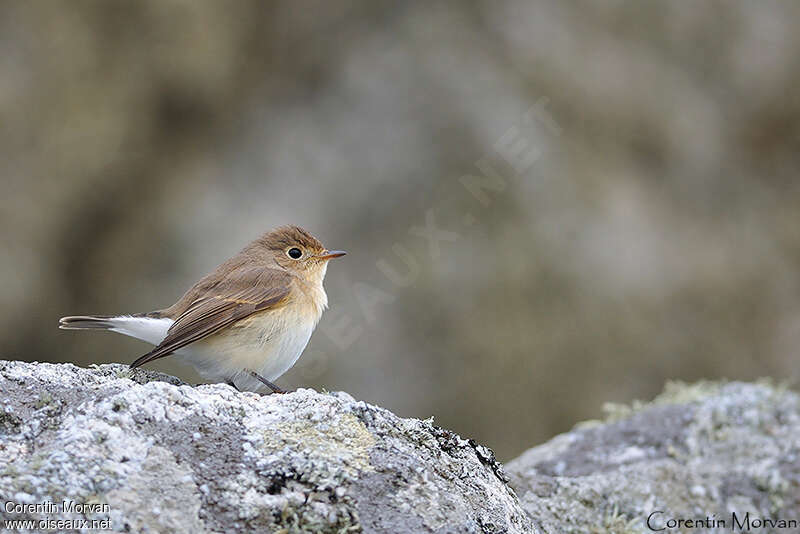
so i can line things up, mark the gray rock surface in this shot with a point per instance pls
(147, 453)
(151, 454)
(703, 452)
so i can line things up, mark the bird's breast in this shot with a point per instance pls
(272, 326)
(268, 342)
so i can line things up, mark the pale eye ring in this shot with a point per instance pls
(294, 253)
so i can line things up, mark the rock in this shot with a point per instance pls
(701, 452)
(145, 452)
(137, 451)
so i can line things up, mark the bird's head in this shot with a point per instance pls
(297, 251)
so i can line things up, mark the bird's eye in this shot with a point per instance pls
(294, 253)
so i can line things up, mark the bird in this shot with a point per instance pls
(247, 322)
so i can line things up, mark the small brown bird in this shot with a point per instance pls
(247, 322)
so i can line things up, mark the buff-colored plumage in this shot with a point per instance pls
(254, 313)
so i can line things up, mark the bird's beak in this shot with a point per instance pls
(330, 254)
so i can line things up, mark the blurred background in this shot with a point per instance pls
(547, 205)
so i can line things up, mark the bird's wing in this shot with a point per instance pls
(243, 292)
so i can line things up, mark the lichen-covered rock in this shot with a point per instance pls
(145, 453)
(700, 453)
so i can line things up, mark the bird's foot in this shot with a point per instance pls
(270, 385)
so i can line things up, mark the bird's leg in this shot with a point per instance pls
(264, 381)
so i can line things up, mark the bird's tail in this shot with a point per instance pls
(86, 322)
(150, 327)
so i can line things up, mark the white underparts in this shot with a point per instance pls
(269, 343)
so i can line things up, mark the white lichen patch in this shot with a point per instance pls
(317, 428)
(159, 497)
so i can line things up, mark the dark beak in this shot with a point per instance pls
(330, 254)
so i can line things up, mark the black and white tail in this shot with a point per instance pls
(145, 327)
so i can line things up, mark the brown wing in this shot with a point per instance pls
(240, 294)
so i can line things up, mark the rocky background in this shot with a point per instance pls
(639, 224)
(723, 455)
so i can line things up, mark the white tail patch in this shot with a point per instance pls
(147, 329)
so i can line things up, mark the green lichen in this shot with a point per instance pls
(123, 373)
(44, 400)
(344, 441)
(9, 422)
(301, 519)
(615, 522)
(675, 392)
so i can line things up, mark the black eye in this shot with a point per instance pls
(294, 253)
